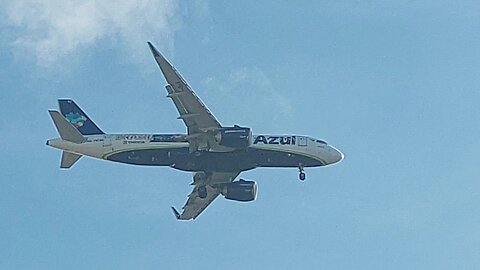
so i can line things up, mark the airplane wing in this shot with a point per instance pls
(213, 182)
(193, 112)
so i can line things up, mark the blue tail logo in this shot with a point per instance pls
(76, 119)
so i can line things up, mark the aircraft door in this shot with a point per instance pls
(302, 141)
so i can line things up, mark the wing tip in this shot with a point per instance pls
(153, 49)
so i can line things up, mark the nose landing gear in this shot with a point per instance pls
(301, 174)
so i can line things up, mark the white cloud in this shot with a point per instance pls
(201, 9)
(52, 30)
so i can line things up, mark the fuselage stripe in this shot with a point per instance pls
(106, 155)
(289, 151)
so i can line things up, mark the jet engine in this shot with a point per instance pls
(234, 137)
(242, 190)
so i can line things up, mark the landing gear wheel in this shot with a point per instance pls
(301, 174)
(202, 192)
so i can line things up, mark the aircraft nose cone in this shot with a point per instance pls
(336, 155)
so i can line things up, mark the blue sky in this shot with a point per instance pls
(393, 84)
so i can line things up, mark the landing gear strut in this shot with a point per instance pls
(301, 174)
(202, 192)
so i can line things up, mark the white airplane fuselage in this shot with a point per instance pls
(173, 150)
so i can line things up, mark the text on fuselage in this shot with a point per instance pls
(283, 140)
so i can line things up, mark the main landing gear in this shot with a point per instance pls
(301, 174)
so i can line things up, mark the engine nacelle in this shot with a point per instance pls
(234, 137)
(242, 190)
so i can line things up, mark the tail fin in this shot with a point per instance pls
(66, 130)
(68, 159)
(78, 118)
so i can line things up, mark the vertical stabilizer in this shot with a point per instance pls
(78, 118)
(68, 159)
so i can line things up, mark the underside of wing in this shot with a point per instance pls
(209, 183)
(193, 112)
(195, 205)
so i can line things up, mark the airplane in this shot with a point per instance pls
(216, 154)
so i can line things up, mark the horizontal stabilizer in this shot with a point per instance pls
(66, 130)
(68, 159)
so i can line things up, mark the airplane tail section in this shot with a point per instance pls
(66, 130)
(78, 118)
(68, 133)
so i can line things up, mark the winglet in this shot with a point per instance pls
(175, 212)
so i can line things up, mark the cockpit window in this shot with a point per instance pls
(322, 142)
